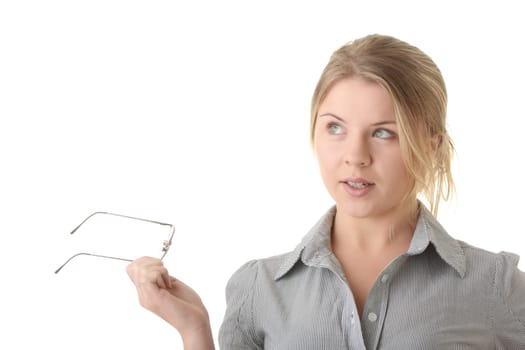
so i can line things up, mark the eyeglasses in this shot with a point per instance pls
(164, 249)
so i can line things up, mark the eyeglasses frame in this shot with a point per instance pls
(165, 245)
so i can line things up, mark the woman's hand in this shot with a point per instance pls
(173, 301)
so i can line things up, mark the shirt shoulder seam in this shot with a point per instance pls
(500, 295)
(244, 303)
(252, 307)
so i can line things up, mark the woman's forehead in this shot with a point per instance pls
(358, 99)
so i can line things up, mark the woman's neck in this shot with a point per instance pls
(375, 234)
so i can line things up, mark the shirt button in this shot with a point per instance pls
(384, 278)
(372, 317)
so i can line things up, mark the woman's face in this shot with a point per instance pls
(357, 147)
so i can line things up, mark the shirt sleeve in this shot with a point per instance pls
(509, 308)
(237, 330)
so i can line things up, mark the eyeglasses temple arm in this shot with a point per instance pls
(120, 215)
(95, 255)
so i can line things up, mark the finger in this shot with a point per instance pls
(147, 274)
(157, 274)
(137, 266)
(157, 266)
(161, 276)
(147, 261)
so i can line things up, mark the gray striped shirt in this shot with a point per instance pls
(440, 294)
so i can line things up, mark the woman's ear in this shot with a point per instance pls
(435, 142)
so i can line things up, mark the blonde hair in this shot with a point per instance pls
(418, 92)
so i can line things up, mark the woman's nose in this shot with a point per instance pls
(357, 153)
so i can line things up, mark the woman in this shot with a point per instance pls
(377, 271)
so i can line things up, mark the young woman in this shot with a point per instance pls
(377, 271)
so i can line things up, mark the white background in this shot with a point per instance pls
(197, 113)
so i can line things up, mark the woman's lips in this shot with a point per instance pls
(358, 187)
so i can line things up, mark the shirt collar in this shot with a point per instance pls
(429, 230)
(316, 245)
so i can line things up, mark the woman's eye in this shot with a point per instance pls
(334, 129)
(383, 134)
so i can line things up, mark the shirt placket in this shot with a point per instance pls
(350, 322)
(376, 306)
(352, 325)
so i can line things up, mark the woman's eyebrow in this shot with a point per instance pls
(384, 122)
(333, 116)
